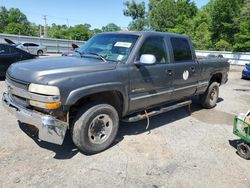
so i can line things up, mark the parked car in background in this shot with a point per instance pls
(33, 48)
(246, 72)
(10, 54)
(71, 51)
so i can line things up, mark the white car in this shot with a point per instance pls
(33, 48)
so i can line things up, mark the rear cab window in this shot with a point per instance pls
(154, 45)
(181, 49)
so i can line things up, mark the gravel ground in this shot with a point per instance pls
(179, 150)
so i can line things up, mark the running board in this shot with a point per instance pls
(139, 117)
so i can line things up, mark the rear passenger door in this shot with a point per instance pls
(33, 48)
(186, 68)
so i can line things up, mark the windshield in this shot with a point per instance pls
(108, 47)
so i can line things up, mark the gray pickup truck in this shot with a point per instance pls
(113, 76)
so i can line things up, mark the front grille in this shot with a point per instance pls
(17, 83)
(21, 101)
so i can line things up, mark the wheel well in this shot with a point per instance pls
(39, 51)
(216, 78)
(114, 98)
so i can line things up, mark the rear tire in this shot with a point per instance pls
(95, 128)
(209, 98)
(39, 52)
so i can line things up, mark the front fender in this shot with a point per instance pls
(79, 93)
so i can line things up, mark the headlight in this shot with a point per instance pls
(44, 89)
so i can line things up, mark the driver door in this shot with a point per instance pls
(151, 84)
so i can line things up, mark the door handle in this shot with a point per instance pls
(169, 72)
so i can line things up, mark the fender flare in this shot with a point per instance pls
(79, 93)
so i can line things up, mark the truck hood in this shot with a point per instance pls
(46, 69)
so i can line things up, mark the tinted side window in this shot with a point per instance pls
(4, 49)
(181, 49)
(25, 44)
(32, 44)
(156, 47)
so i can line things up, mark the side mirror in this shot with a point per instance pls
(147, 59)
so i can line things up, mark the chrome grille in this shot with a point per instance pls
(17, 83)
(19, 100)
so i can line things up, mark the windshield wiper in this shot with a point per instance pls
(97, 55)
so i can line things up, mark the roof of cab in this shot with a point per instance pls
(146, 33)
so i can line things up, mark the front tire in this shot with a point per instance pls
(210, 97)
(95, 128)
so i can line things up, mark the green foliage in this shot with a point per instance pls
(3, 18)
(96, 31)
(110, 28)
(242, 38)
(58, 31)
(138, 14)
(201, 35)
(77, 32)
(223, 16)
(162, 15)
(13, 21)
(80, 32)
(172, 16)
(223, 45)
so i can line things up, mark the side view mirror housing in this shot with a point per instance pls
(147, 59)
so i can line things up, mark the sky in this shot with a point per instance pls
(97, 13)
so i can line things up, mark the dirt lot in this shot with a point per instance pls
(180, 150)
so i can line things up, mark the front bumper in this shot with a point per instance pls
(50, 129)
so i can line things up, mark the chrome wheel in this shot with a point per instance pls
(100, 129)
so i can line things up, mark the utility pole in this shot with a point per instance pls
(45, 26)
(40, 31)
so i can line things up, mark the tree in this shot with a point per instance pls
(242, 38)
(172, 16)
(3, 18)
(13, 21)
(201, 34)
(223, 14)
(223, 45)
(59, 31)
(20, 29)
(162, 14)
(80, 32)
(138, 14)
(110, 27)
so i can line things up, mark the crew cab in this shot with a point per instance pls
(113, 76)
